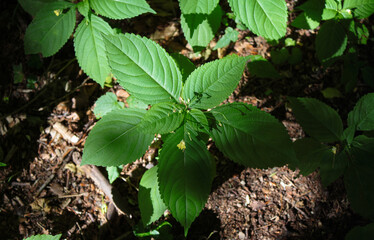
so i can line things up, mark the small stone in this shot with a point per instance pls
(241, 235)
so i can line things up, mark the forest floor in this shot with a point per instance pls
(46, 114)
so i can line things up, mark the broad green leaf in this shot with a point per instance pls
(349, 134)
(310, 153)
(136, 103)
(213, 82)
(162, 118)
(116, 139)
(358, 177)
(330, 10)
(33, 6)
(143, 68)
(296, 56)
(251, 137)
(331, 93)
(121, 9)
(44, 237)
(184, 64)
(197, 6)
(113, 173)
(84, 8)
(185, 174)
(363, 233)
(90, 49)
(362, 115)
(231, 35)
(198, 121)
(106, 104)
(350, 71)
(317, 119)
(332, 167)
(331, 41)
(150, 202)
(262, 68)
(50, 29)
(362, 8)
(267, 18)
(199, 29)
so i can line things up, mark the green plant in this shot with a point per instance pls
(185, 112)
(350, 153)
(339, 35)
(54, 22)
(44, 237)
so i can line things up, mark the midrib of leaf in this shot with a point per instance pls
(115, 139)
(262, 8)
(94, 39)
(144, 69)
(50, 29)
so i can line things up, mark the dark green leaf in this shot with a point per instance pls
(363, 233)
(33, 6)
(331, 41)
(261, 68)
(362, 115)
(150, 203)
(367, 74)
(197, 6)
(280, 56)
(296, 56)
(50, 29)
(251, 137)
(332, 167)
(84, 8)
(310, 154)
(184, 64)
(317, 119)
(116, 139)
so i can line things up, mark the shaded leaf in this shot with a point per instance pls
(50, 29)
(143, 68)
(317, 119)
(116, 139)
(197, 6)
(251, 137)
(262, 68)
(363, 233)
(362, 115)
(33, 6)
(150, 203)
(231, 35)
(332, 167)
(184, 64)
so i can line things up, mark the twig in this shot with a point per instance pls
(49, 179)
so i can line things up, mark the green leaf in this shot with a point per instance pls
(363, 8)
(280, 56)
(332, 167)
(116, 139)
(310, 153)
(363, 233)
(162, 118)
(296, 56)
(185, 174)
(231, 35)
(136, 103)
(262, 68)
(304, 21)
(331, 41)
(330, 10)
(149, 198)
(362, 115)
(251, 137)
(143, 68)
(84, 8)
(349, 134)
(317, 119)
(106, 104)
(121, 9)
(358, 177)
(113, 173)
(198, 121)
(267, 18)
(90, 49)
(199, 29)
(197, 6)
(331, 93)
(50, 29)
(213, 82)
(367, 74)
(33, 6)
(350, 71)
(44, 237)
(184, 64)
